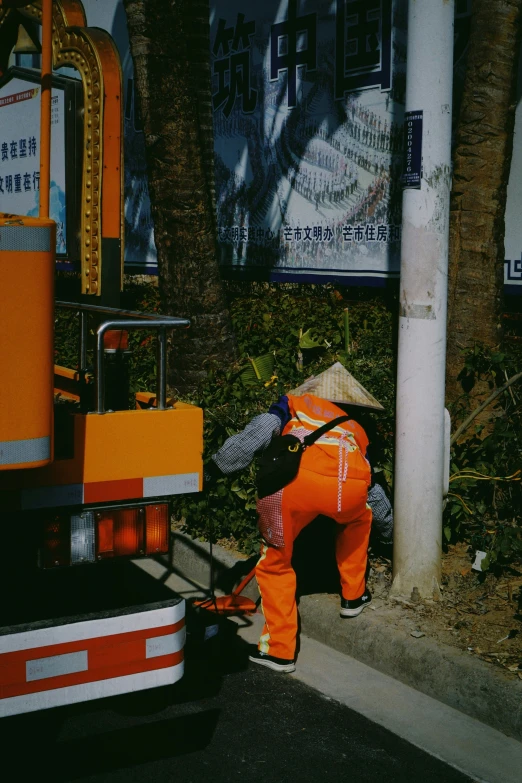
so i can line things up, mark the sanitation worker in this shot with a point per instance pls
(334, 480)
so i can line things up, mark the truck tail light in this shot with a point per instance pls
(105, 526)
(120, 532)
(156, 529)
(105, 533)
(56, 543)
(82, 538)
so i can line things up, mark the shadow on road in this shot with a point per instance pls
(136, 745)
(149, 732)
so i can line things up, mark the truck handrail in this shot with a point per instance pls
(127, 319)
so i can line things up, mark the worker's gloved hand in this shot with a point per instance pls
(211, 473)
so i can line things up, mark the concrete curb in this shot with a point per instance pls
(463, 682)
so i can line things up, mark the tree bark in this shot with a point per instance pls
(170, 46)
(482, 160)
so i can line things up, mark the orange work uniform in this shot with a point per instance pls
(333, 481)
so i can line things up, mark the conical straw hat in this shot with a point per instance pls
(337, 385)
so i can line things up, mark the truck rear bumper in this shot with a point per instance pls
(52, 663)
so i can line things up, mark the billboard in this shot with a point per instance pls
(20, 154)
(308, 104)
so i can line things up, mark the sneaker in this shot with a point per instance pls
(277, 664)
(351, 608)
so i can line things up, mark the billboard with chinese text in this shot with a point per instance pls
(20, 154)
(308, 101)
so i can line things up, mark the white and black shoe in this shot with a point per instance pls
(351, 608)
(271, 662)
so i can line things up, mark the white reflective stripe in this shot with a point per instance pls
(56, 665)
(326, 441)
(45, 497)
(92, 629)
(302, 416)
(165, 645)
(72, 694)
(16, 452)
(73, 494)
(170, 485)
(264, 643)
(317, 423)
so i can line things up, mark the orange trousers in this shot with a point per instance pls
(308, 496)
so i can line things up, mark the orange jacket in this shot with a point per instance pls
(309, 413)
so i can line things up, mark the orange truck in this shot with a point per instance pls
(85, 483)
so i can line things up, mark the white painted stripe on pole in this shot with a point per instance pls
(177, 484)
(92, 629)
(165, 645)
(16, 452)
(72, 694)
(45, 497)
(56, 665)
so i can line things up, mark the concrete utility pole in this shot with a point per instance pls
(423, 301)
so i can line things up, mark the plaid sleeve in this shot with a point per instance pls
(282, 410)
(239, 450)
(382, 512)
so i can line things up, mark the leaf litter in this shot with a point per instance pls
(480, 614)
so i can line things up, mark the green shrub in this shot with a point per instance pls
(275, 319)
(485, 502)
(303, 328)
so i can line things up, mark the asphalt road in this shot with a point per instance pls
(226, 720)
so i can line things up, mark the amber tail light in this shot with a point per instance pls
(156, 529)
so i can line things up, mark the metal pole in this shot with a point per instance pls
(161, 392)
(100, 375)
(419, 451)
(82, 361)
(83, 342)
(162, 323)
(45, 107)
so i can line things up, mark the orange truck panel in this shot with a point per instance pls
(27, 260)
(132, 444)
(121, 455)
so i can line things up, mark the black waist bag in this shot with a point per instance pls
(278, 464)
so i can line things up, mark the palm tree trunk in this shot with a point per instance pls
(170, 45)
(482, 160)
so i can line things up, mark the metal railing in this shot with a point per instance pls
(127, 319)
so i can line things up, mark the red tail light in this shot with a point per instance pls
(132, 531)
(157, 529)
(56, 543)
(105, 542)
(128, 531)
(120, 532)
(116, 340)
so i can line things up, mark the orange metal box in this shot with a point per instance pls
(125, 455)
(27, 263)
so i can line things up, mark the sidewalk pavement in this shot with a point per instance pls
(461, 681)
